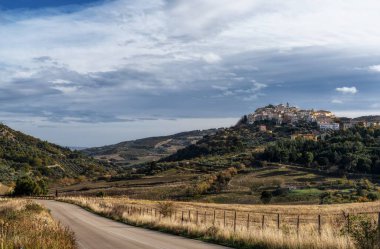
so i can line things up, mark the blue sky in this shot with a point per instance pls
(38, 4)
(125, 69)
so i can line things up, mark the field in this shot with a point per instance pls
(25, 224)
(4, 189)
(297, 185)
(241, 226)
(161, 186)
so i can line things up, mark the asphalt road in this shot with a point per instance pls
(95, 232)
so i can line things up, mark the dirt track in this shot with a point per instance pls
(95, 232)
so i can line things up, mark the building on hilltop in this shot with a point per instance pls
(289, 114)
(329, 126)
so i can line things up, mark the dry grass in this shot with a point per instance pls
(245, 233)
(4, 189)
(25, 224)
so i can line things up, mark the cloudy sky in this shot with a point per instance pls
(88, 73)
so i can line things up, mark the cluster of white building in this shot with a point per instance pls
(289, 114)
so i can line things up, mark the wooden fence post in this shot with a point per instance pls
(319, 225)
(197, 217)
(182, 218)
(348, 223)
(235, 222)
(278, 221)
(263, 222)
(213, 222)
(205, 217)
(248, 221)
(224, 218)
(189, 216)
(298, 226)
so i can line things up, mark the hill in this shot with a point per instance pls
(279, 154)
(375, 118)
(147, 149)
(242, 138)
(23, 154)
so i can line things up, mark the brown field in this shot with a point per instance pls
(25, 224)
(158, 187)
(4, 189)
(271, 226)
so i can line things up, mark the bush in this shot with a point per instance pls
(26, 186)
(165, 208)
(100, 194)
(266, 197)
(280, 192)
(364, 232)
(372, 196)
(33, 207)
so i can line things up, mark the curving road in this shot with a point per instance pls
(95, 232)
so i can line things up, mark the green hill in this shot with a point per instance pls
(23, 154)
(239, 139)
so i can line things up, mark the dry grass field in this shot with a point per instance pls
(4, 189)
(240, 226)
(25, 224)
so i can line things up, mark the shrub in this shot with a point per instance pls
(364, 231)
(280, 192)
(33, 207)
(26, 186)
(372, 196)
(256, 185)
(166, 208)
(100, 194)
(266, 197)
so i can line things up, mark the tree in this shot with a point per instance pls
(309, 158)
(26, 186)
(266, 196)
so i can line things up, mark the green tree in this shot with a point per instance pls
(309, 157)
(26, 186)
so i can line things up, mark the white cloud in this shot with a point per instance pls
(60, 82)
(347, 90)
(211, 58)
(336, 101)
(66, 89)
(374, 68)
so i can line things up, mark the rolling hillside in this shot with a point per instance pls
(23, 154)
(147, 149)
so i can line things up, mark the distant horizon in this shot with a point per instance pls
(117, 130)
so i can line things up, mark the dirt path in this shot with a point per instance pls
(95, 232)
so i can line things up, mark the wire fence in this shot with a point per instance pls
(244, 220)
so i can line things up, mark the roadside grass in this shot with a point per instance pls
(27, 225)
(195, 225)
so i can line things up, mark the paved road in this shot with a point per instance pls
(95, 232)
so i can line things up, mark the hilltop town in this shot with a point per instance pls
(326, 120)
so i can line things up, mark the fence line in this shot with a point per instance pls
(239, 220)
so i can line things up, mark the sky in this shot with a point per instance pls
(89, 73)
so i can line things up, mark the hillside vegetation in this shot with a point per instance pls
(242, 164)
(353, 150)
(21, 154)
(139, 151)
